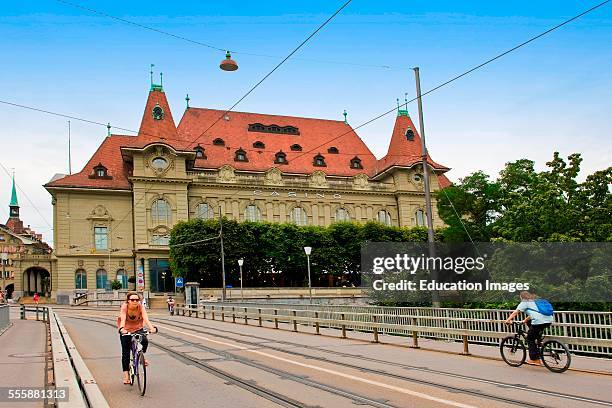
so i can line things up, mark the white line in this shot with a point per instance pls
(328, 371)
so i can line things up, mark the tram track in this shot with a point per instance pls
(518, 387)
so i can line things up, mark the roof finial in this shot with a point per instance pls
(187, 98)
(14, 202)
(108, 129)
(344, 113)
(402, 110)
(406, 100)
(397, 99)
(151, 72)
(161, 79)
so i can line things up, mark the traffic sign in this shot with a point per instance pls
(179, 282)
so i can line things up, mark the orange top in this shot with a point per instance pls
(132, 322)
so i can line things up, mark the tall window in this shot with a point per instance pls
(252, 213)
(383, 217)
(160, 239)
(123, 278)
(298, 216)
(160, 212)
(101, 237)
(204, 211)
(101, 279)
(342, 215)
(80, 279)
(420, 218)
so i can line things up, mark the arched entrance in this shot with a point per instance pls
(36, 280)
(9, 290)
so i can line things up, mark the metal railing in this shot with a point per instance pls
(4, 317)
(42, 312)
(584, 332)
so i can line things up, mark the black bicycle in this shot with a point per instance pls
(553, 354)
(138, 369)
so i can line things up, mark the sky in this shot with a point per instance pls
(554, 94)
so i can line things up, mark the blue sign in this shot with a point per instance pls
(179, 282)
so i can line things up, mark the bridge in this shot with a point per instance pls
(248, 354)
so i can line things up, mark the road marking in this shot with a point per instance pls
(328, 371)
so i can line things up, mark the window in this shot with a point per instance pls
(298, 216)
(219, 142)
(100, 172)
(123, 278)
(409, 135)
(199, 151)
(101, 279)
(342, 215)
(420, 218)
(204, 211)
(80, 279)
(383, 217)
(296, 147)
(252, 213)
(158, 112)
(258, 127)
(160, 239)
(259, 145)
(159, 163)
(356, 163)
(101, 237)
(160, 212)
(241, 155)
(417, 178)
(280, 158)
(333, 150)
(319, 161)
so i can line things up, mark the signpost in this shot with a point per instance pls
(140, 279)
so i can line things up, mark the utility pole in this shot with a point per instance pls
(69, 152)
(222, 254)
(428, 211)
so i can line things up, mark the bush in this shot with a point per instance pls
(116, 285)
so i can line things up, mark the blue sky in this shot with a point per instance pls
(554, 94)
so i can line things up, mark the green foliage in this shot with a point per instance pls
(274, 253)
(116, 285)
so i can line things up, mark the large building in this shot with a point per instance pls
(113, 218)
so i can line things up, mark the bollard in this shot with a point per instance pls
(317, 328)
(294, 321)
(343, 327)
(466, 350)
(36, 312)
(275, 319)
(415, 334)
(233, 314)
(22, 312)
(212, 312)
(204, 312)
(189, 310)
(374, 319)
(222, 313)
(259, 311)
(246, 317)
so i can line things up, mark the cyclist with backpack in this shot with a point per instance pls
(539, 317)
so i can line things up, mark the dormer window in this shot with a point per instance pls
(409, 135)
(296, 147)
(258, 127)
(280, 158)
(199, 151)
(241, 156)
(356, 163)
(259, 145)
(219, 142)
(158, 112)
(333, 150)
(100, 172)
(319, 161)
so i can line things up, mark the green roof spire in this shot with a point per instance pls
(14, 202)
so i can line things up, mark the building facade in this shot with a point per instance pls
(112, 220)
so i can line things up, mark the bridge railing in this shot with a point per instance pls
(585, 332)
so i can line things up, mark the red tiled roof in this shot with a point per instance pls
(443, 181)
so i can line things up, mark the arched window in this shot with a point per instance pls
(333, 150)
(219, 142)
(342, 215)
(204, 211)
(356, 163)
(280, 158)
(383, 217)
(80, 279)
(409, 135)
(160, 212)
(101, 279)
(298, 216)
(420, 218)
(123, 278)
(296, 147)
(259, 145)
(319, 161)
(241, 156)
(199, 151)
(252, 213)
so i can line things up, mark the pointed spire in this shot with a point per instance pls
(187, 99)
(345, 114)
(14, 202)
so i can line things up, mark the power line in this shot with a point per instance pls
(203, 44)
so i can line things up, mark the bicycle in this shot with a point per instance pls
(554, 354)
(138, 369)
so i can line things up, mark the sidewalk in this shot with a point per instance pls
(22, 356)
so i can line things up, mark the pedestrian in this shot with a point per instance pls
(144, 302)
(36, 298)
(2, 299)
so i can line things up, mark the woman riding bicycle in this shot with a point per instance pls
(537, 322)
(132, 318)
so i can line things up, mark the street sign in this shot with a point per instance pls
(140, 278)
(179, 282)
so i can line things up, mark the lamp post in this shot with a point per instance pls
(240, 263)
(308, 250)
(222, 253)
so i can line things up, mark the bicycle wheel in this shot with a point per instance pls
(132, 372)
(555, 356)
(513, 351)
(141, 374)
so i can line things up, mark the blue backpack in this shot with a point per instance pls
(544, 307)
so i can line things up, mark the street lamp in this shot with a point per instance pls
(240, 262)
(308, 250)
